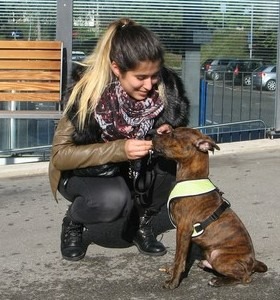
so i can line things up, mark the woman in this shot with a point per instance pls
(101, 156)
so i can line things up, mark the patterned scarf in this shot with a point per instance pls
(120, 116)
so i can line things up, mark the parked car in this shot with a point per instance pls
(78, 55)
(217, 68)
(240, 71)
(205, 66)
(265, 78)
(15, 34)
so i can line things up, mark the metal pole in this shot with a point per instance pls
(251, 33)
(277, 93)
(64, 26)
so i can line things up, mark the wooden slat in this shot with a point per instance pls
(30, 44)
(40, 97)
(30, 70)
(29, 54)
(29, 75)
(30, 65)
(29, 86)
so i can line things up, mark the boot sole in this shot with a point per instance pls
(150, 253)
(76, 258)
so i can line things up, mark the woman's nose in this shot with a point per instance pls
(148, 84)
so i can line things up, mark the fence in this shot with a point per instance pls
(228, 113)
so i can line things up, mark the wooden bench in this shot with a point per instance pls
(31, 71)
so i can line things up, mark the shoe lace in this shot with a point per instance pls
(74, 229)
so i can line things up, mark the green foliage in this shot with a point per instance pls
(226, 43)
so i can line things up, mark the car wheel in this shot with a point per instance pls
(271, 85)
(215, 76)
(247, 80)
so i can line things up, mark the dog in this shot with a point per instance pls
(203, 216)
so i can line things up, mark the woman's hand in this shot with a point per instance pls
(135, 149)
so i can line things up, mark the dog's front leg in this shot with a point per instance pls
(183, 239)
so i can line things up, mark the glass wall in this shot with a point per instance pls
(194, 33)
(225, 28)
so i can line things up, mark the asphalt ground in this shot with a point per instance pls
(31, 266)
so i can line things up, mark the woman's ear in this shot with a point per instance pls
(115, 69)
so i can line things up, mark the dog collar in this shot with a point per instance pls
(189, 188)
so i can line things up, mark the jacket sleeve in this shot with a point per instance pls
(68, 156)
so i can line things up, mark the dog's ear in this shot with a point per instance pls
(205, 145)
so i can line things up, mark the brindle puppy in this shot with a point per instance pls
(226, 244)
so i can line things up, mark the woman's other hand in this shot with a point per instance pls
(135, 149)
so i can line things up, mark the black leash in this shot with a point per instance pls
(142, 174)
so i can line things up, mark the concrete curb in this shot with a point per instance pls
(24, 170)
(248, 146)
(41, 168)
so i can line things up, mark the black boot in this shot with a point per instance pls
(144, 238)
(72, 247)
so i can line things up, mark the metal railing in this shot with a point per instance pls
(236, 131)
(228, 113)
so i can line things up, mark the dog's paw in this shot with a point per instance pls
(171, 284)
(221, 281)
(215, 282)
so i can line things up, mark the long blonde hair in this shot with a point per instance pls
(125, 43)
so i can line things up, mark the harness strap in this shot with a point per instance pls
(199, 228)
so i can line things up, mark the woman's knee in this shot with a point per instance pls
(116, 203)
(105, 202)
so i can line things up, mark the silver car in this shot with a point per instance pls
(265, 78)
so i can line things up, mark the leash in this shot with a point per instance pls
(142, 174)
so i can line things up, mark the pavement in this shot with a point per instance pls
(31, 266)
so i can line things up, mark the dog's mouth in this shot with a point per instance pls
(157, 150)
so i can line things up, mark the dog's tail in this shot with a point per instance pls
(259, 267)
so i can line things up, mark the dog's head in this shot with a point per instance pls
(183, 142)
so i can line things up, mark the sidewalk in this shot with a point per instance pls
(41, 168)
(32, 268)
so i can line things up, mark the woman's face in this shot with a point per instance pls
(138, 83)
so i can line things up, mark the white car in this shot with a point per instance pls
(78, 55)
(265, 78)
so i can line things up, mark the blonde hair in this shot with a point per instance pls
(124, 42)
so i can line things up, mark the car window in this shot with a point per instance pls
(260, 69)
(273, 69)
(223, 62)
(215, 63)
(256, 65)
(231, 65)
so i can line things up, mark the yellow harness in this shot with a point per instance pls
(193, 188)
